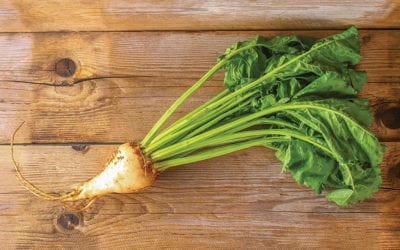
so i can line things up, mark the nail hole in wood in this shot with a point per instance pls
(366, 39)
(80, 147)
(391, 117)
(395, 171)
(68, 221)
(65, 67)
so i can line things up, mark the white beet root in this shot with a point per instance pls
(126, 172)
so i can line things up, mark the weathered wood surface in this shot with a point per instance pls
(122, 77)
(122, 83)
(193, 206)
(122, 15)
(174, 55)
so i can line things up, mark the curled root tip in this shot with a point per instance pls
(27, 184)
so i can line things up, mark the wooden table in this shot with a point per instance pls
(86, 76)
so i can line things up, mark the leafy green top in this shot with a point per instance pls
(297, 96)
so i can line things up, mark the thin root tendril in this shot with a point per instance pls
(31, 187)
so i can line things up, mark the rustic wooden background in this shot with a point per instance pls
(132, 60)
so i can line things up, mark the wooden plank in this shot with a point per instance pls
(101, 87)
(134, 78)
(258, 177)
(123, 109)
(195, 204)
(32, 57)
(121, 15)
(217, 231)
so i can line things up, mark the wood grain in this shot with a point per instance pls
(122, 109)
(123, 77)
(185, 55)
(195, 204)
(129, 60)
(122, 15)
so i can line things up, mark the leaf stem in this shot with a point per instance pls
(149, 137)
(175, 126)
(179, 146)
(197, 122)
(259, 80)
(163, 165)
(170, 152)
(164, 118)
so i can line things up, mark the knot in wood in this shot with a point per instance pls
(68, 221)
(391, 118)
(65, 67)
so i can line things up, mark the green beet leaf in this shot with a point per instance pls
(296, 96)
(345, 155)
(318, 78)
